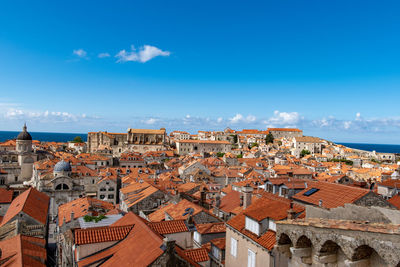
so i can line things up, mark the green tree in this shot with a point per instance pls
(234, 138)
(304, 152)
(77, 139)
(220, 154)
(269, 138)
(239, 156)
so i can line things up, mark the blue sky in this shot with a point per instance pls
(329, 67)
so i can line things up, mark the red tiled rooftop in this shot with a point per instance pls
(210, 228)
(169, 227)
(6, 195)
(197, 254)
(332, 195)
(101, 234)
(32, 202)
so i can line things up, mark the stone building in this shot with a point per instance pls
(17, 163)
(349, 236)
(135, 140)
(202, 146)
(312, 144)
(287, 133)
(61, 186)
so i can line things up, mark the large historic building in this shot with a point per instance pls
(135, 140)
(17, 162)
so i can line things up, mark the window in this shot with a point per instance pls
(215, 252)
(310, 192)
(111, 189)
(197, 237)
(102, 189)
(110, 196)
(251, 258)
(102, 196)
(233, 247)
(252, 226)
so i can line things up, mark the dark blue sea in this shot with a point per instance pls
(374, 147)
(49, 137)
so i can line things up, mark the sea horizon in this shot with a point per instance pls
(65, 137)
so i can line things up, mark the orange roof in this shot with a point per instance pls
(219, 242)
(395, 201)
(101, 234)
(332, 195)
(210, 228)
(176, 211)
(80, 207)
(169, 227)
(31, 202)
(6, 195)
(22, 250)
(197, 254)
(136, 192)
(141, 247)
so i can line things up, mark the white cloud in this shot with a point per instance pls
(150, 121)
(103, 55)
(239, 118)
(46, 116)
(80, 53)
(144, 54)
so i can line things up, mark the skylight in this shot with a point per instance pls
(310, 192)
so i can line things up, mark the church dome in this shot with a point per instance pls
(62, 166)
(24, 135)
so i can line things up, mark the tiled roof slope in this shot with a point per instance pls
(332, 195)
(80, 207)
(141, 247)
(23, 250)
(175, 211)
(6, 195)
(210, 228)
(32, 202)
(169, 227)
(197, 254)
(101, 234)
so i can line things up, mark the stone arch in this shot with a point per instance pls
(303, 242)
(364, 252)
(329, 246)
(62, 186)
(284, 239)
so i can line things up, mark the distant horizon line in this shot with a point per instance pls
(336, 142)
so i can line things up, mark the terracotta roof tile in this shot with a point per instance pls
(209, 228)
(6, 195)
(395, 201)
(219, 242)
(81, 207)
(169, 227)
(141, 247)
(101, 234)
(32, 202)
(332, 195)
(23, 250)
(197, 254)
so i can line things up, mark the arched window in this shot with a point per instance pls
(62, 187)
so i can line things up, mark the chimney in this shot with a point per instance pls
(320, 203)
(218, 201)
(203, 196)
(247, 193)
(241, 200)
(291, 212)
(72, 216)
